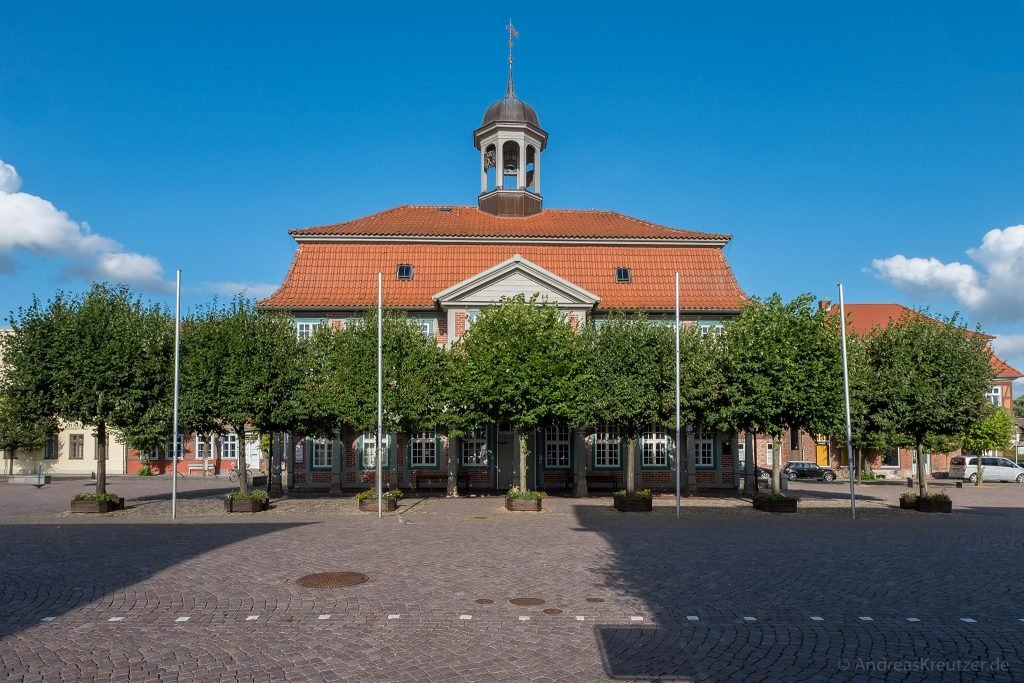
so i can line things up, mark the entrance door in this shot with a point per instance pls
(506, 459)
(822, 455)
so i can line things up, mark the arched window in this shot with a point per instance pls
(510, 165)
(531, 163)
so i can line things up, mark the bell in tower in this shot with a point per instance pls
(510, 141)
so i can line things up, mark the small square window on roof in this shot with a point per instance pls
(623, 275)
(404, 271)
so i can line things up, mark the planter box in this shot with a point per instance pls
(97, 506)
(766, 505)
(390, 505)
(935, 506)
(520, 505)
(623, 505)
(252, 505)
(906, 504)
(29, 479)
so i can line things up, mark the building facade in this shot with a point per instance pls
(443, 264)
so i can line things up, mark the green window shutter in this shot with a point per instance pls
(439, 459)
(392, 447)
(360, 463)
(541, 442)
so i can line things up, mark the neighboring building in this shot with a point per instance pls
(1018, 439)
(897, 462)
(199, 454)
(443, 264)
(71, 451)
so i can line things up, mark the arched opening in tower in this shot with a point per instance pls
(510, 165)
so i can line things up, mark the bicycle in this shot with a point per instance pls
(236, 475)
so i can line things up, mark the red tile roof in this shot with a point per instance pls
(863, 318)
(469, 221)
(326, 275)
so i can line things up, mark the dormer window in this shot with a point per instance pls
(623, 275)
(404, 271)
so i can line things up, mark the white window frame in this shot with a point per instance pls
(229, 446)
(203, 451)
(306, 328)
(703, 450)
(370, 450)
(769, 454)
(654, 452)
(426, 326)
(423, 449)
(557, 448)
(995, 395)
(607, 444)
(322, 457)
(473, 449)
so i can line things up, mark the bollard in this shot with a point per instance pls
(910, 482)
(959, 484)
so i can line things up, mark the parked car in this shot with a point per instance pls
(993, 469)
(803, 469)
(763, 473)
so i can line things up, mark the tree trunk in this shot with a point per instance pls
(860, 463)
(753, 450)
(922, 485)
(777, 465)
(523, 453)
(981, 476)
(631, 465)
(243, 468)
(10, 465)
(270, 465)
(453, 467)
(101, 458)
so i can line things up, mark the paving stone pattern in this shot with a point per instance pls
(722, 594)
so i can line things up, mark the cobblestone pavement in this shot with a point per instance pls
(723, 593)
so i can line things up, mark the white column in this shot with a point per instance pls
(521, 170)
(536, 169)
(483, 168)
(499, 164)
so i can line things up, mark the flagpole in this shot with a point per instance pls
(846, 394)
(177, 363)
(380, 392)
(679, 430)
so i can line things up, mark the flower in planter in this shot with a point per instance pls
(255, 494)
(641, 495)
(778, 498)
(910, 496)
(516, 493)
(935, 498)
(96, 497)
(393, 493)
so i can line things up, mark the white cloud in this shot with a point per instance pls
(992, 291)
(256, 290)
(33, 224)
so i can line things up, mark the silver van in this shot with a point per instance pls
(993, 469)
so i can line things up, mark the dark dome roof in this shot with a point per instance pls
(510, 109)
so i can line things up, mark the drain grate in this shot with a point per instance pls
(524, 602)
(333, 580)
(595, 599)
(552, 610)
(484, 601)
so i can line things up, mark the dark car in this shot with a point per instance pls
(762, 473)
(801, 469)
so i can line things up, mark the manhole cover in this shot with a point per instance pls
(552, 610)
(523, 602)
(333, 579)
(595, 599)
(484, 601)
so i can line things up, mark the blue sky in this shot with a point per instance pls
(877, 144)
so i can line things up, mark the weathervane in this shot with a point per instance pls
(512, 35)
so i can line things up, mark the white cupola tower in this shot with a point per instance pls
(510, 141)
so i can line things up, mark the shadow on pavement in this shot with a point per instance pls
(55, 568)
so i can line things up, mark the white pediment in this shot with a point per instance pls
(511, 278)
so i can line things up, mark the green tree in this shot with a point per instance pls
(1018, 406)
(993, 432)
(932, 377)
(20, 432)
(239, 367)
(105, 358)
(630, 378)
(517, 363)
(783, 370)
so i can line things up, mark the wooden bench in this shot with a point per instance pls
(419, 478)
(611, 477)
(206, 468)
